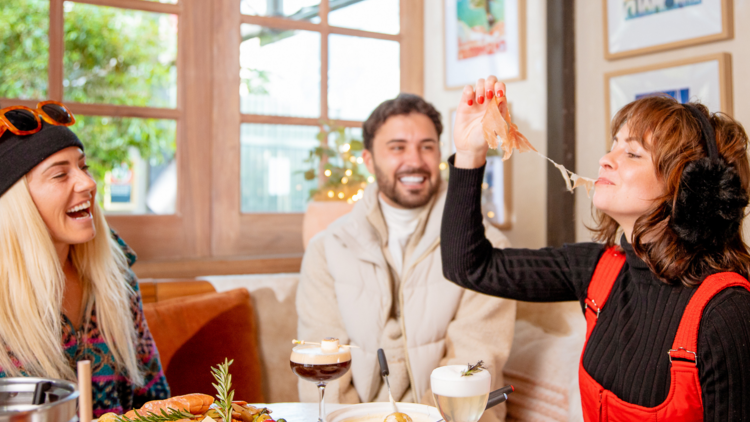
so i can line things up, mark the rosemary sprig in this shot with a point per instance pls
(471, 370)
(164, 416)
(223, 385)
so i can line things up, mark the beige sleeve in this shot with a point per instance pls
(482, 330)
(318, 318)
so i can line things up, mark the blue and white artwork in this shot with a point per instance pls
(682, 95)
(698, 81)
(641, 25)
(638, 8)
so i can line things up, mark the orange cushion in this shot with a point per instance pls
(194, 333)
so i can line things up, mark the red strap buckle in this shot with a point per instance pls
(591, 304)
(683, 353)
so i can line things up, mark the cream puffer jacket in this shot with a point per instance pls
(345, 292)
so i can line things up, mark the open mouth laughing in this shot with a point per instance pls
(80, 212)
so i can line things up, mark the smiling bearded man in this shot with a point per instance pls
(374, 277)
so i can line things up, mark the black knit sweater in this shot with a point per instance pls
(627, 352)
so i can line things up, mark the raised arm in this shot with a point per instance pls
(545, 275)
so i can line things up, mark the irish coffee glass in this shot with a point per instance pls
(320, 364)
(460, 398)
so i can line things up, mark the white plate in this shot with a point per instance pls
(376, 412)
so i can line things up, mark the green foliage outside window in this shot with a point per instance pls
(23, 48)
(112, 56)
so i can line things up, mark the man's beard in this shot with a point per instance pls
(388, 188)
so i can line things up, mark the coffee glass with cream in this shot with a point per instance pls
(320, 364)
(459, 397)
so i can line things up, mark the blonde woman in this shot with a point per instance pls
(66, 290)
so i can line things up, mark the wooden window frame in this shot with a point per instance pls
(208, 234)
(185, 233)
(274, 235)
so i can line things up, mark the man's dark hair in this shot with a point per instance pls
(403, 104)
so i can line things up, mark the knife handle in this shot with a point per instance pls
(499, 396)
(383, 363)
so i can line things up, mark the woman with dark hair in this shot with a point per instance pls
(668, 309)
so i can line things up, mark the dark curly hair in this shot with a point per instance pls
(403, 104)
(673, 136)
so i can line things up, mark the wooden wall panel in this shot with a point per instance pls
(225, 167)
(151, 236)
(412, 46)
(195, 128)
(203, 267)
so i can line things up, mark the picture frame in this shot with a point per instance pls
(707, 79)
(635, 27)
(496, 187)
(122, 192)
(475, 47)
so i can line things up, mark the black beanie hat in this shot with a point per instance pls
(20, 154)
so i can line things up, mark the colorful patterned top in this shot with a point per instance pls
(112, 390)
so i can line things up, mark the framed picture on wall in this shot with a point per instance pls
(496, 187)
(633, 27)
(484, 37)
(707, 80)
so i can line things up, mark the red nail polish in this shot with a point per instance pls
(500, 93)
(489, 95)
(471, 102)
(481, 100)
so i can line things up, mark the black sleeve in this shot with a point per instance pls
(724, 356)
(469, 260)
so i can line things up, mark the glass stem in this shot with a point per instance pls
(322, 406)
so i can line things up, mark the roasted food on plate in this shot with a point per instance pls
(191, 407)
(198, 407)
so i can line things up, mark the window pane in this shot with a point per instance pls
(291, 9)
(363, 72)
(493, 190)
(132, 161)
(367, 15)
(119, 56)
(24, 48)
(347, 175)
(280, 72)
(272, 166)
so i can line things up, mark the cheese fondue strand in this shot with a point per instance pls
(498, 126)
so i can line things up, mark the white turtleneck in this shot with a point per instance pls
(401, 225)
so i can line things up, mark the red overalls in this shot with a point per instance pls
(684, 402)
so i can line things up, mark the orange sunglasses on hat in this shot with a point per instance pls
(22, 120)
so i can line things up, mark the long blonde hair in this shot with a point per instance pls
(32, 284)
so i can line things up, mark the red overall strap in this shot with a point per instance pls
(604, 278)
(685, 343)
